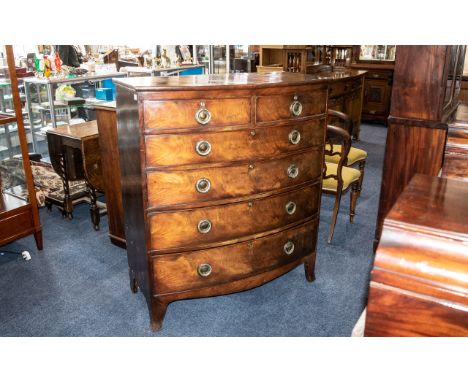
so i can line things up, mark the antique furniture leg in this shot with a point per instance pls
(133, 281)
(353, 198)
(362, 165)
(38, 239)
(67, 202)
(158, 312)
(93, 208)
(309, 268)
(336, 209)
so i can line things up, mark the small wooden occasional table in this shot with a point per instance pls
(75, 155)
(419, 282)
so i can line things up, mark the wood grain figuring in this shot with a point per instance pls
(236, 221)
(419, 281)
(181, 114)
(169, 188)
(178, 272)
(403, 314)
(456, 150)
(228, 146)
(240, 225)
(409, 150)
(108, 145)
(272, 108)
(415, 89)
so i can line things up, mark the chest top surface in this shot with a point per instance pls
(220, 81)
(433, 204)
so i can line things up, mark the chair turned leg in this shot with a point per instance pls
(362, 165)
(309, 268)
(336, 209)
(93, 208)
(158, 312)
(353, 199)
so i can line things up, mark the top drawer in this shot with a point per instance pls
(180, 114)
(277, 107)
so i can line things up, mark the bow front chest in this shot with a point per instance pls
(221, 181)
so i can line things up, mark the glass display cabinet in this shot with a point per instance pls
(19, 215)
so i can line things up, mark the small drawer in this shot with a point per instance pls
(277, 107)
(198, 185)
(227, 146)
(206, 268)
(179, 114)
(202, 226)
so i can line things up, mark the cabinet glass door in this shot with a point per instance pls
(13, 187)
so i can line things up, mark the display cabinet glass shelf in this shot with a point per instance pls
(19, 215)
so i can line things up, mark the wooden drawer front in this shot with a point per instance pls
(16, 225)
(181, 113)
(180, 272)
(271, 108)
(227, 146)
(179, 186)
(180, 229)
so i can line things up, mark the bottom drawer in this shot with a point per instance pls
(206, 268)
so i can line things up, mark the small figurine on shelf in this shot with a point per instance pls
(166, 61)
(58, 63)
(47, 66)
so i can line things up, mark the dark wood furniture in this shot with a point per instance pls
(108, 143)
(424, 98)
(377, 86)
(75, 154)
(419, 281)
(18, 218)
(345, 94)
(221, 179)
(456, 149)
(464, 89)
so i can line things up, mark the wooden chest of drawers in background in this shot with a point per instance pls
(221, 181)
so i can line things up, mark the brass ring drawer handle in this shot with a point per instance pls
(204, 270)
(294, 137)
(203, 115)
(288, 248)
(296, 107)
(204, 226)
(203, 148)
(293, 171)
(290, 208)
(203, 185)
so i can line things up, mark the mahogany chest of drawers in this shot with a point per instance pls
(221, 181)
(419, 281)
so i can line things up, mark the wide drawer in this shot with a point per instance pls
(277, 107)
(226, 146)
(205, 268)
(178, 114)
(172, 187)
(202, 226)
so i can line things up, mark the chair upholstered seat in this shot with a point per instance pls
(354, 155)
(348, 174)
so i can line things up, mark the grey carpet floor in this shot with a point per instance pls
(78, 285)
